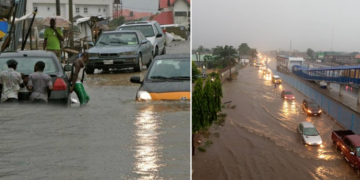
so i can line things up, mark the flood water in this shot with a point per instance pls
(259, 139)
(113, 137)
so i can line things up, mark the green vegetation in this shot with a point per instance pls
(201, 149)
(225, 56)
(194, 71)
(310, 53)
(206, 103)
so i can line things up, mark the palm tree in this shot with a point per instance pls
(225, 56)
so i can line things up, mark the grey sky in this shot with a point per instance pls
(141, 5)
(271, 24)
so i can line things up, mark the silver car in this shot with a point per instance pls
(152, 31)
(309, 134)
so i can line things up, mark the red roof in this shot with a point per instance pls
(357, 56)
(168, 3)
(165, 18)
(135, 15)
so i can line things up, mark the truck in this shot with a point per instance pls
(349, 145)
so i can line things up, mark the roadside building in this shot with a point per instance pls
(83, 8)
(174, 12)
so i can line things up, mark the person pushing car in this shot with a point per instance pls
(78, 78)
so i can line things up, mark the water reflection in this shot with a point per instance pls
(147, 148)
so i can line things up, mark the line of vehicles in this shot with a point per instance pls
(346, 141)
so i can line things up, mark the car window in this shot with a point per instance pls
(311, 131)
(174, 68)
(312, 105)
(156, 30)
(358, 151)
(288, 93)
(26, 64)
(147, 30)
(158, 27)
(141, 37)
(301, 128)
(117, 39)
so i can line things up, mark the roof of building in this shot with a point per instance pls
(165, 18)
(135, 15)
(168, 3)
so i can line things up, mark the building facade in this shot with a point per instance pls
(174, 12)
(84, 8)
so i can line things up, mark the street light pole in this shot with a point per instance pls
(57, 7)
(71, 35)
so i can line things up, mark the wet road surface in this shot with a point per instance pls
(259, 139)
(113, 137)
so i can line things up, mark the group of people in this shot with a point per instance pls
(38, 82)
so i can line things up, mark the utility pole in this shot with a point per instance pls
(57, 7)
(71, 35)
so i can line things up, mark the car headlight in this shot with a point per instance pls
(320, 142)
(308, 111)
(143, 95)
(128, 53)
(93, 55)
(320, 111)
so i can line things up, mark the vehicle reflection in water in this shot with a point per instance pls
(147, 148)
(288, 108)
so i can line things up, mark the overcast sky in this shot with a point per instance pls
(272, 24)
(141, 5)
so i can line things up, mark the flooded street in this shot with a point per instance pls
(113, 137)
(259, 139)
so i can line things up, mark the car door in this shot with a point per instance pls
(161, 40)
(145, 48)
(346, 149)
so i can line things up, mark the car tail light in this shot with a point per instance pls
(59, 85)
(164, 31)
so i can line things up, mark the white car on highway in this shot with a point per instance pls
(309, 134)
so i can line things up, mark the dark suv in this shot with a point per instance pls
(310, 107)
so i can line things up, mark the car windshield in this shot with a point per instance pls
(147, 30)
(277, 78)
(177, 69)
(117, 39)
(312, 105)
(26, 64)
(311, 131)
(288, 93)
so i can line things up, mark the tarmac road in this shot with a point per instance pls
(113, 137)
(259, 139)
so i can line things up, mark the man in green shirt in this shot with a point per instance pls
(52, 39)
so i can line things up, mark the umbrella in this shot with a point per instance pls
(3, 28)
(59, 21)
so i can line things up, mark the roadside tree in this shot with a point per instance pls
(225, 56)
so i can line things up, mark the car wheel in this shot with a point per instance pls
(148, 64)
(164, 50)
(89, 70)
(106, 69)
(335, 145)
(138, 68)
(156, 51)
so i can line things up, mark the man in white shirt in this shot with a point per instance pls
(11, 81)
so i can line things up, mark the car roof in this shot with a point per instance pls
(307, 124)
(37, 53)
(138, 23)
(124, 31)
(309, 100)
(173, 56)
(276, 76)
(355, 139)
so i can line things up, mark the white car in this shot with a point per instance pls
(309, 134)
(152, 31)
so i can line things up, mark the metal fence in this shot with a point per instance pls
(341, 114)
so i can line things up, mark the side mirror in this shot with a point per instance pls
(144, 41)
(352, 153)
(67, 67)
(159, 35)
(135, 79)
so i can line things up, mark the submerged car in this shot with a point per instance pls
(119, 49)
(288, 95)
(309, 134)
(168, 78)
(311, 108)
(26, 60)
